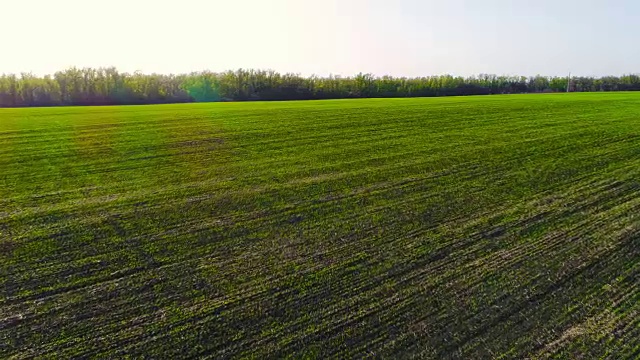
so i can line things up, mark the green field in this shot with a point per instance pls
(478, 227)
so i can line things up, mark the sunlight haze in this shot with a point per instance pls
(401, 38)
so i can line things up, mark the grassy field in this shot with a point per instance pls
(480, 227)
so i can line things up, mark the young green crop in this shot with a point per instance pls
(502, 226)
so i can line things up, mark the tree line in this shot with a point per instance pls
(108, 86)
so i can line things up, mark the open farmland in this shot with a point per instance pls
(503, 226)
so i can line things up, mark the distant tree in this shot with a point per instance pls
(107, 86)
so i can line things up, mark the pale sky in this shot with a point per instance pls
(383, 37)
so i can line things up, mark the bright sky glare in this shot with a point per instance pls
(394, 37)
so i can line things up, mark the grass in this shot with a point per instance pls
(479, 227)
